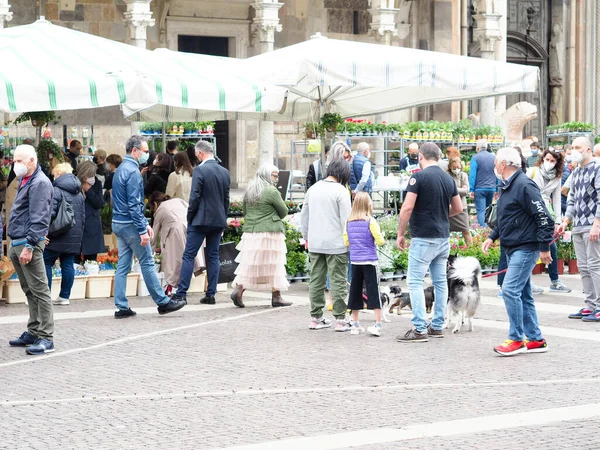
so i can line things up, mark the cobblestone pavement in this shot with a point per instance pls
(257, 378)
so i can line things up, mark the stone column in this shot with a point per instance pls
(487, 33)
(500, 48)
(5, 14)
(597, 66)
(138, 17)
(264, 26)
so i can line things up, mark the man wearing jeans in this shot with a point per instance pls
(525, 228)
(482, 180)
(431, 199)
(583, 211)
(133, 232)
(207, 218)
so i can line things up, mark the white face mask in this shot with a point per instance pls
(20, 170)
(576, 156)
(90, 181)
(155, 162)
(548, 166)
(498, 175)
(456, 171)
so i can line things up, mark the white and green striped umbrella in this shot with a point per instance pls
(204, 87)
(355, 78)
(48, 67)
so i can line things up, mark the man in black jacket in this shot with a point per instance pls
(73, 153)
(315, 172)
(525, 229)
(207, 218)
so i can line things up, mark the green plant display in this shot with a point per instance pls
(47, 150)
(296, 262)
(38, 118)
(331, 121)
(106, 219)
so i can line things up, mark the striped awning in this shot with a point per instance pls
(48, 67)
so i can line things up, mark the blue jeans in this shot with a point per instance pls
(66, 267)
(128, 242)
(483, 199)
(424, 254)
(552, 268)
(516, 292)
(195, 238)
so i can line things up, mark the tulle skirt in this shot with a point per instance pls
(261, 262)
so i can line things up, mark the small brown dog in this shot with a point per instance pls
(402, 300)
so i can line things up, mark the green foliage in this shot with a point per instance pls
(331, 121)
(106, 219)
(234, 231)
(297, 262)
(46, 149)
(389, 227)
(41, 118)
(292, 238)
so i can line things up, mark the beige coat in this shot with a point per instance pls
(11, 195)
(170, 227)
(179, 186)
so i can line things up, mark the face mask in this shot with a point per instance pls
(548, 166)
(534, 152)
(413, 157)
(95, 160)
(498, 175)
(456, 171)
(155, 162)
(576, 156)
(568, 158)
(20, 169)
(90, 181)
(144, 158)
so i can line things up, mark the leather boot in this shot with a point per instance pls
(236, 296)
(277, 301)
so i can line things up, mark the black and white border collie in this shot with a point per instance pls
(463, 291)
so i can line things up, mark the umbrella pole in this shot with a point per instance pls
(540, 115)
(164, 138)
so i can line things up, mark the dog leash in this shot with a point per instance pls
(487, 275)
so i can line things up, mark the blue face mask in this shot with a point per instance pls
(144, 159)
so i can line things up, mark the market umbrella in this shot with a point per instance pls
(48, 67)
(202, 87)
(355, 78)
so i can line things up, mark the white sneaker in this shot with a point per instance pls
(318, 323)
(374, 331)
(354, 331)
(342, 326)
(535, 290)
(61, 301)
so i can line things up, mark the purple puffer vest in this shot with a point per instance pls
(362, 242)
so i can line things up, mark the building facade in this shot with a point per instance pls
(558, 36)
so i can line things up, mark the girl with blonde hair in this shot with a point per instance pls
(362, 234)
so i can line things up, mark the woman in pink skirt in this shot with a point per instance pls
(262, 249)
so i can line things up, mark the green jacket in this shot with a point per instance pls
(266, 216)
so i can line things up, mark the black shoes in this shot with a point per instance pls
(124, 313)
(208, 300)
(175, 304)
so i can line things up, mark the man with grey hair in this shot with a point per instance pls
(133, 231)
(583, 212)
(596, 152)
(207, 218)
(482, 180)
(431, 199)
(361, 170)
(28, 227)
(525, 228)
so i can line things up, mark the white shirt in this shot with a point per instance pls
(208, 159)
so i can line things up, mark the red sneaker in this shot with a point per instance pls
(510, 348)
(536, 346)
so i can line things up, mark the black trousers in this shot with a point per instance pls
(364, 276)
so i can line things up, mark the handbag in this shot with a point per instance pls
(64, 220)
(491, 215)
(227, 255)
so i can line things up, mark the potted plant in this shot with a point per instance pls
(311, 130)
(48, 150)
(38, 118)
(385, 263)
(331, 121)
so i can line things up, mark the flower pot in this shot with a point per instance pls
(99, 286)
(573, 269)
(12, 292)
(197, 283)
(561, 266)
(388, 274)
(538, 269)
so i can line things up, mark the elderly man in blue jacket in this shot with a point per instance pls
(133, 231)
(28, 227)
(482, 181)
(525, 228)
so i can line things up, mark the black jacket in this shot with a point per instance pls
(72, 160)
(93, 237)
(30, 213)
(157, 181)
(209, 199)
(69, 186)
(314, 174)
(523, 220)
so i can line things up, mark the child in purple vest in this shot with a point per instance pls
(361, 234)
